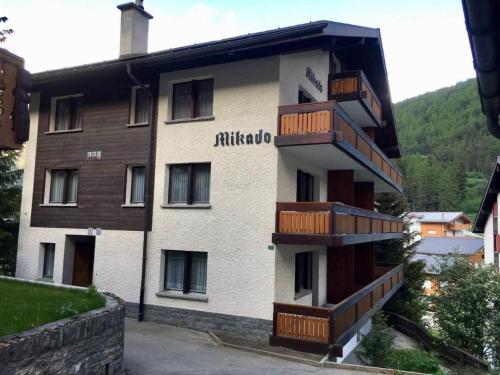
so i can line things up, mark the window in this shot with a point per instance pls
(304, 97)
(63, 186)
(192, 99)
(431, 232)
(67, 113)
(305, 187)
(139, 110)
(303, 271)
(189, 184)
(186, 271)
(48, 259)
(137, 180)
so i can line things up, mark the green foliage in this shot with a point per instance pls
(377, 345)
(10, 200)
(408, 301)
(4, 32)
(448, 151)
(467, 309)
(413, 360)
(26, 305)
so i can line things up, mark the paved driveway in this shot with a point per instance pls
(152, 348)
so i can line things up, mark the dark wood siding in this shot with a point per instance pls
(101, 182)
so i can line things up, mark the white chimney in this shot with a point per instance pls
(134, 29)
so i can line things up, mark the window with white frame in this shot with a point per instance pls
(193, 99)
(185, 271)
(48, 260)
(136, 185)
(66, 113)
(189, 184)
(140, 106)
(61, 186)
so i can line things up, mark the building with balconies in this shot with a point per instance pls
(227, 185)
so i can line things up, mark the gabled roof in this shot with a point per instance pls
(439, 217)
(356, 47)
(489, 197)
(432, 262)
(450, 245)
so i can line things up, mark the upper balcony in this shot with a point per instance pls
(332, 224)
(323, 134)
(357, 97)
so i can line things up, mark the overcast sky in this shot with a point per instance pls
(425, 41)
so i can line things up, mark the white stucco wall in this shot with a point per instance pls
(236, 231)
(489, 246)
(118, 254)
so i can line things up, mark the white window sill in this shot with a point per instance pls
(182, 205)
(136, 205)
(59, 205)
(179, 295)
(193, 119)
(64, 131)
(137, 124)
(302, 293)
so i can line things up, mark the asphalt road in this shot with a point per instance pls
(152, 348)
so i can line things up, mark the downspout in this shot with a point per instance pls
(147, 205)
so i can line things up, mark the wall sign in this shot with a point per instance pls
(311, 76)
(238, 139)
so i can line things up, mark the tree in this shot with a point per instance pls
(468, 307)
(10, 198)
(376, 346)
(4, 32)
(408, 300)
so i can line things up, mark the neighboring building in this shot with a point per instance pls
(439, 224)
(487, 218)
(258, 214)
(434, 251)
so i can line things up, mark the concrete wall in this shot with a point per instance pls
(90, 343)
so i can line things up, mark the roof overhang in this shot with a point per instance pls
(489, 198)
(356, 47)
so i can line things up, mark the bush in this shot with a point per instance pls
(376, 345)
(413, 360)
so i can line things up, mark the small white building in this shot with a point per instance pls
(487, 218)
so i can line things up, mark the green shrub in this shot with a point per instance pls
(377, 345)
(413, 360)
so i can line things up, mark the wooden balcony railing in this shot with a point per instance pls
(457, 226)
(326, 122)
(332, 224)
(327, 330)
(354, 85)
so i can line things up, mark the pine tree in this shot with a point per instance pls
(10, 198)
(377, 345)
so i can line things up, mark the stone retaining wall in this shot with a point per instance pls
(89, 343)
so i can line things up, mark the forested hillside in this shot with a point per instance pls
(447, 150)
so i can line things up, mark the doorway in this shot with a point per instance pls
(79, 260)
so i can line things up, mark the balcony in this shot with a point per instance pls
(326, 330)
(357, 97)
(332, 224)
(323, 134)
(457, 226)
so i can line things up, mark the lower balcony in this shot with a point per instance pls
(326, 330)
(332, 224)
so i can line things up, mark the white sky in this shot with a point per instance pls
(425, 42)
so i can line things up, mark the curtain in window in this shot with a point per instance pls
(141, 106)
(174, 270)
(198, 282)
(201, 183)
(57, 181)
(182, 101)
(63, 114)
(48, 260)
(205, 97)
(76, 112)
(72, 186)
(138, 185)
(178, 184)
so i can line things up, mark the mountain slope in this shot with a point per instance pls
(447, 149)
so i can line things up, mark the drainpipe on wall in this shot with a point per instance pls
(147, 205)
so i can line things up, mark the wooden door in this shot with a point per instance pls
(83, 266)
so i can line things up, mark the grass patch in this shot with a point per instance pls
(25, 305)
(413, 360)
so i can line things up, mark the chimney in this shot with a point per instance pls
(134, 29)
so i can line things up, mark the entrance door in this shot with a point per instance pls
(83, 266)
